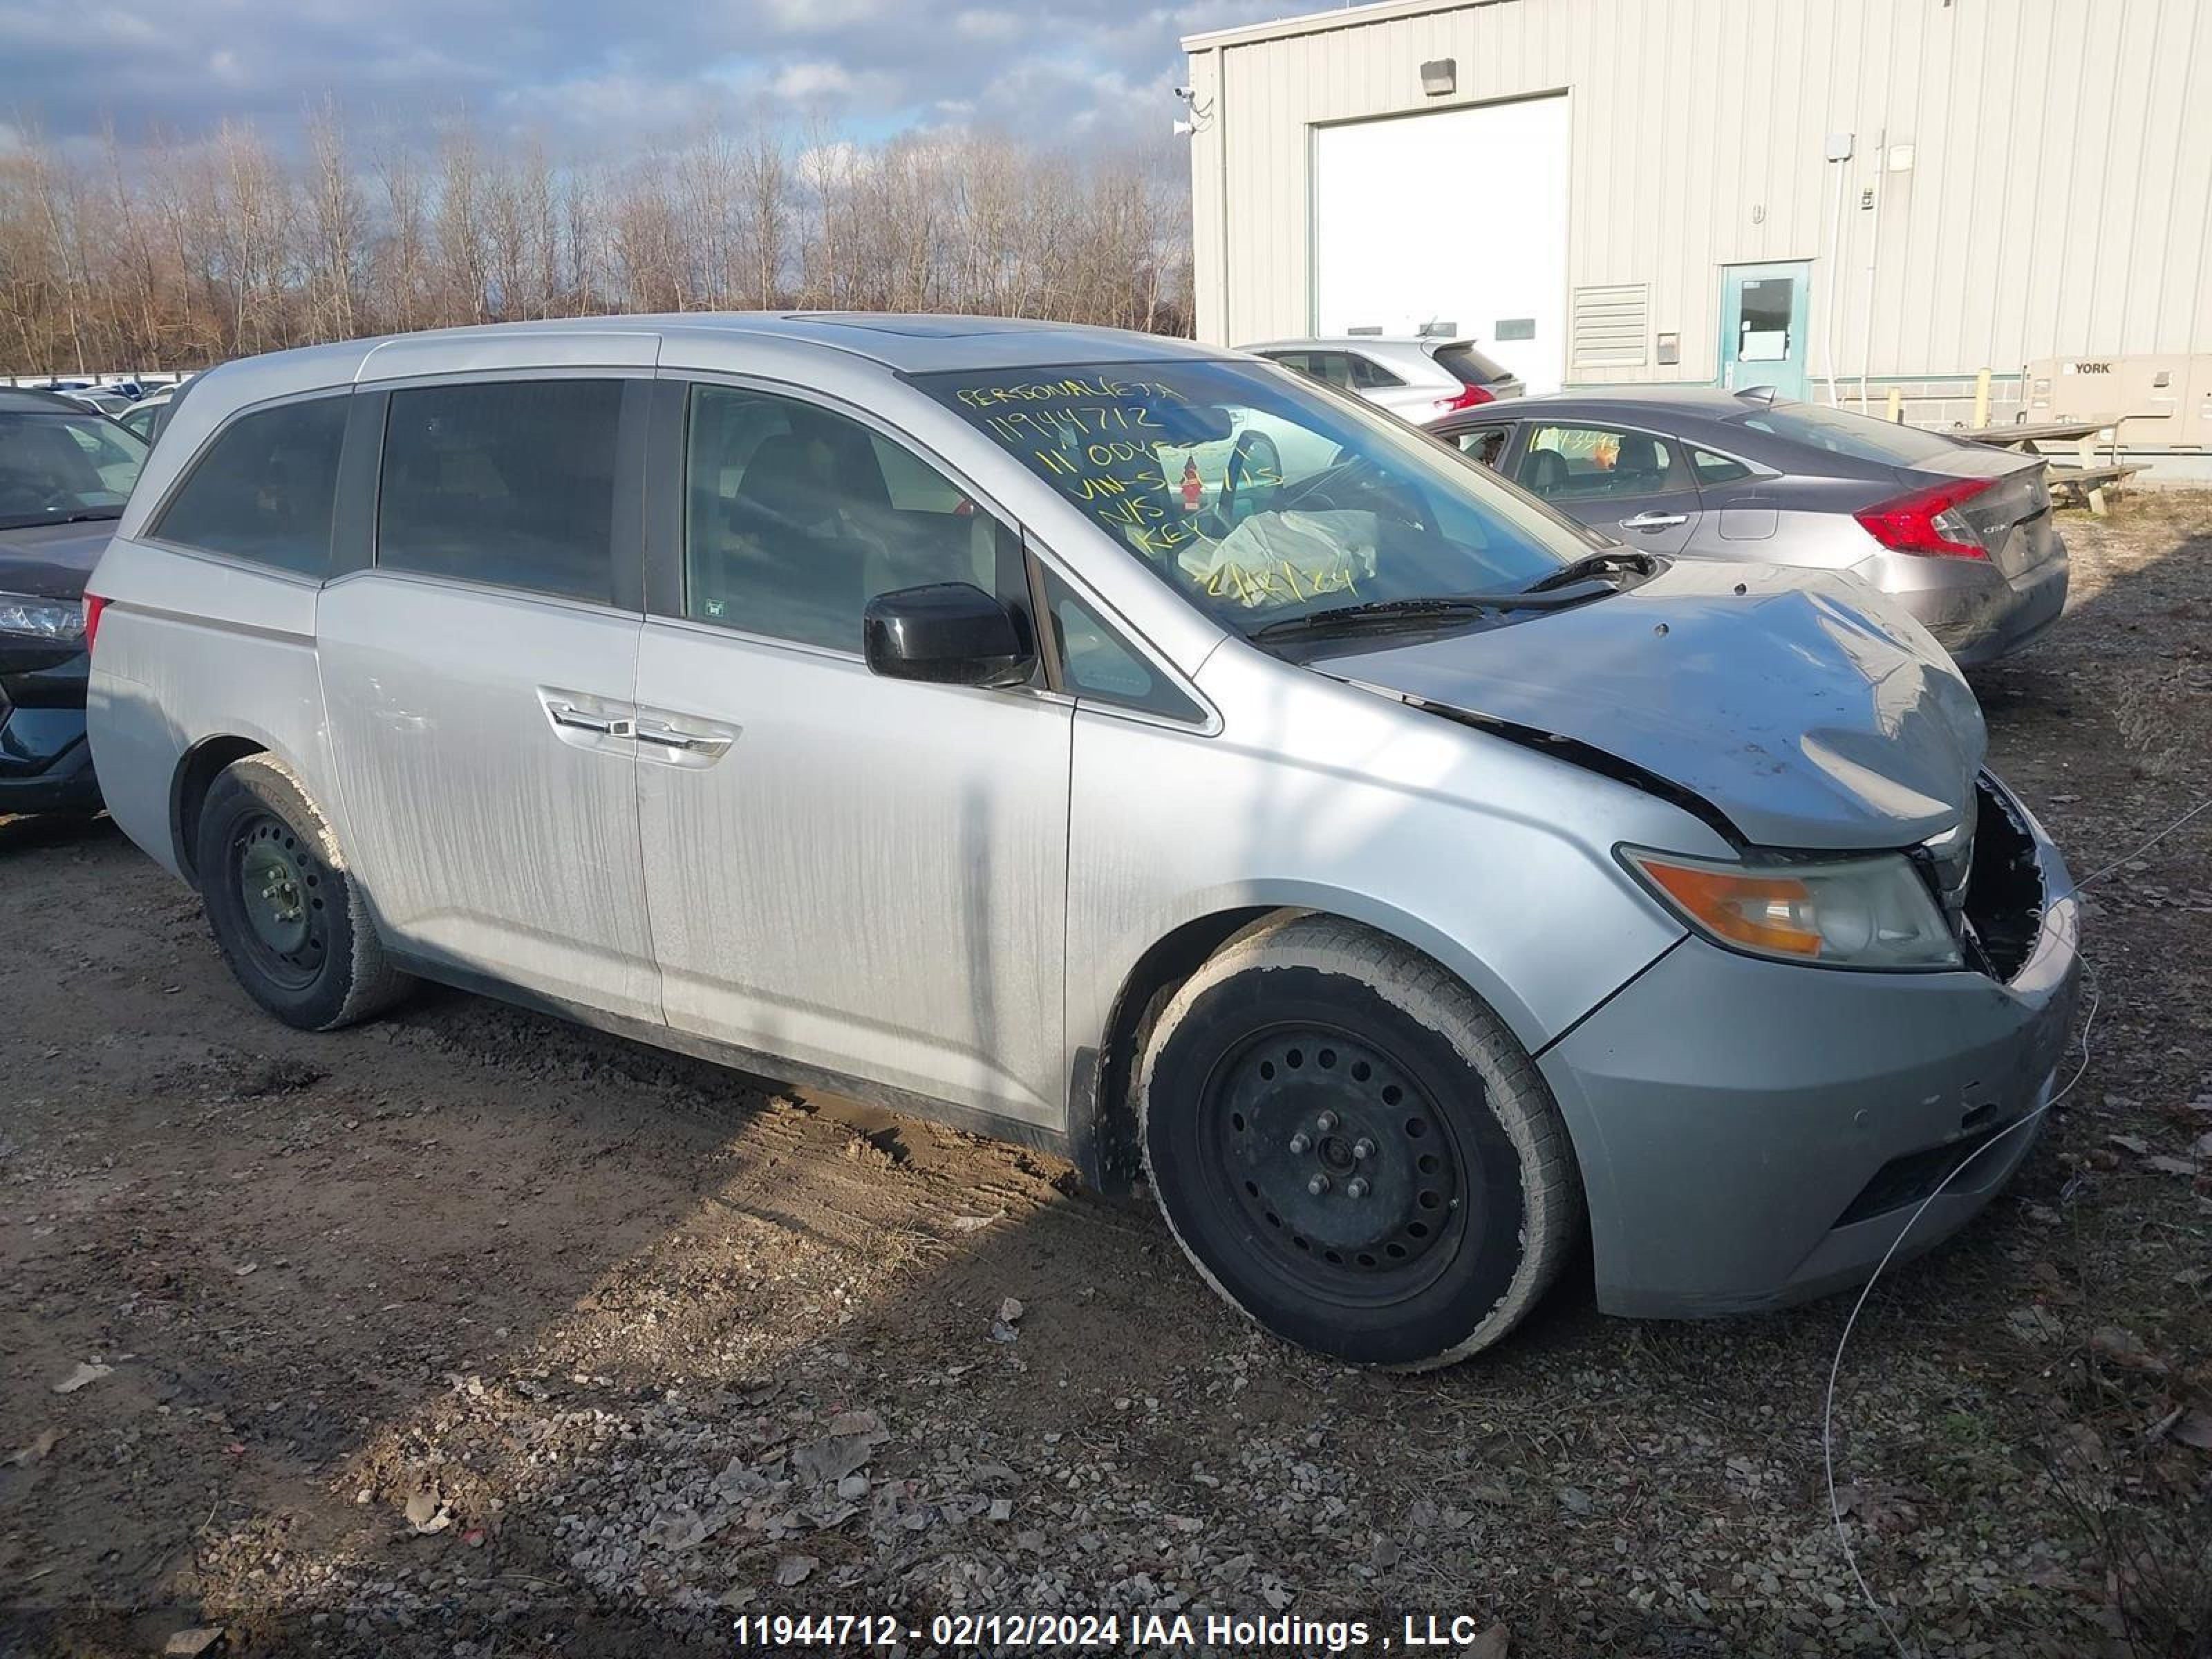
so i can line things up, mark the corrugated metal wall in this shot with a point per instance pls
(2059, 200)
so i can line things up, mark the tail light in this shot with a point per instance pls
(1469, 397)
(94, 605)
(1929, 520)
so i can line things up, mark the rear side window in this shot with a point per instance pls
(1573, 463)
(1367, 374)
(509, 484)
(263, 490)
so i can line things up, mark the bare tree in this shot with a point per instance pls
(764, 181)
(336, 219)
(460, 229)
(407, 253)
(183, 251)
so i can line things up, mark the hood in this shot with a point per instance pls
(1799, 704)
(52, 561)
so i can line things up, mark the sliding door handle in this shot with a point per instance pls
(583, 720)
(690, 742)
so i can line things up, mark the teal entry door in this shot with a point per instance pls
(1763, 309)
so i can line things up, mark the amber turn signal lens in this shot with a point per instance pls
(1768, 912)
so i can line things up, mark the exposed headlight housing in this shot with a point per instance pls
(1873, 911)
(59, 620)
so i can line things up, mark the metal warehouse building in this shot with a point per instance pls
(1876, 194)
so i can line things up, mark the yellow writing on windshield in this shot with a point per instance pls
(1025, 424)
(1036, 391)
(1250, 585)
(1157, 539)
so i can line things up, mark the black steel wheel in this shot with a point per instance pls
(1328, 1141)
(293, 926)
(1352, 1149)
(279, 885)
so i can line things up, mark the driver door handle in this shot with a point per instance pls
(1655, 520)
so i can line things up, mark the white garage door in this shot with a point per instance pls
(1458, 219)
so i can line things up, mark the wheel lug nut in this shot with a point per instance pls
(1318, 1185)
(1363, 1149)
(1325, 1122)
(1357, 1187)
(1300, 1144)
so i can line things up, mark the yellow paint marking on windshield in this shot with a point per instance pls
(1159, 538)
(1077, 422)
(1250, 585)
(982, 397)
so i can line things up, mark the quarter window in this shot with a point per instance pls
(1713, 469)
(1580, 463)
(511, 484)
(796, 516)
(1100, 666)
(264, 489)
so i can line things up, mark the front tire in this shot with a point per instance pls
(1354, 1149)
(291, 923)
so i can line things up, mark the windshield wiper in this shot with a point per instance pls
(18, 522)
(1590, 565)
(1377, 613)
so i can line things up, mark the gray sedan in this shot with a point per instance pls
(1958, 534)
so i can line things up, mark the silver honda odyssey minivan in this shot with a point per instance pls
(1116, 745)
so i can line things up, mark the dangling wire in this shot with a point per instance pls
(1836, 1365)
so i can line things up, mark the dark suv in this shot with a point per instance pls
(65, 473)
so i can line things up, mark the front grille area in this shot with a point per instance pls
(2004, 889)
(1985, 876)
(1950, 867)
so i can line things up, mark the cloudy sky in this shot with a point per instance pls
(589, 74)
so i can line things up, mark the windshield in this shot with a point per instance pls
(1258, 495)
(56, 468)
(1859, 436)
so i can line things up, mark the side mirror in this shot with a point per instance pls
(946, 634)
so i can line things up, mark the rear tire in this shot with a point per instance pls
(291, 923)
(1352, 1149)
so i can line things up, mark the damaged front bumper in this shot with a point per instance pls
(1754, 1132)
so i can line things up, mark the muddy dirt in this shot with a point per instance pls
(471, 1332)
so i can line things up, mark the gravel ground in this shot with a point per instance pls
(469, 1333)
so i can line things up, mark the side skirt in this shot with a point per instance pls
(772, 1068)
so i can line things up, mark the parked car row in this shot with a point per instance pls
(1961, 535)
(1126, 747)
(66, 474)
(150, 413)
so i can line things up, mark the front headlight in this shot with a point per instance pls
(61, 620)
(1866, 911)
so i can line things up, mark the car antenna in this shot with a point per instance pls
(1759, 394)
